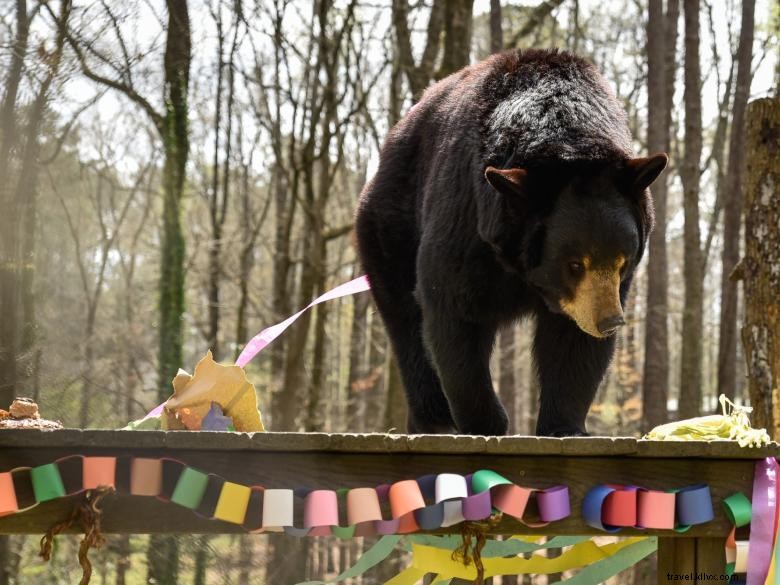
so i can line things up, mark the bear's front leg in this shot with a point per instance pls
(570, 364)
(460, 352)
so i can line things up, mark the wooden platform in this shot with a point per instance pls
(284, 460)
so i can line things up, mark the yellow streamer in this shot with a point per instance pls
(430, 559)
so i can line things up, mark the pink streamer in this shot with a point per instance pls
(266, 336)
(762, 525)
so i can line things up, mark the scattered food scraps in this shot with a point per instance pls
(212, 382)
(23, 414)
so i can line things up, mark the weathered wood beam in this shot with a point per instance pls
(281, 460)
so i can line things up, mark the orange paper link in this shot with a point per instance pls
(655, 509)
(8, 503)
(99, 471)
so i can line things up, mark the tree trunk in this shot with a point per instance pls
(201, 560)
(215, 243)
(163, 550)
(315, 408)
(661, 41)
(122, 558)
(359, 374)
(691, 359)
(281, 412)
(395, 405)
(732, 209)
(507, 384)
(496, 30)
(760, 268)
(175, 137)
(457, 40)
(162, 560)
(376, 393)
(9, 269)
(245, 554)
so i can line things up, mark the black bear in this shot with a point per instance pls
(509, 190)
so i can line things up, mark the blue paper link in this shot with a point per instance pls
(591, 508)
(430, 517)
(693, 505)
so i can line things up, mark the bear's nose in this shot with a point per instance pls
(611, 324)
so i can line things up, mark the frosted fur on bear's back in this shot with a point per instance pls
(550, 105)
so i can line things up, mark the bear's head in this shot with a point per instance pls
(577, 233)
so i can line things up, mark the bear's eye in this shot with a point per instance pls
(576, 268)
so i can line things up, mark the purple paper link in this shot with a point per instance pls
(477, 507)
(386, 526)
(762, 524)
(382, 491)
(468, 483)
(365, 529)
(553, 503)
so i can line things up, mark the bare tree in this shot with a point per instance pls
(418, 75)
(9, 274)
(496, 30)
(661, 45)
(457, 36)
(732, 216)
(691, 360)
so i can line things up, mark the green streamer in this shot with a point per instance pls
(602, 570)
(369, 559)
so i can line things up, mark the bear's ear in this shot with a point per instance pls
(507, 181)
(643, 171)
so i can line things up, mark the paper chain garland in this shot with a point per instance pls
(427, 503)
(738, 510)
(612, 507)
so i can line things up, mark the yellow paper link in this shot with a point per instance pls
(429, 559)
(233, 502)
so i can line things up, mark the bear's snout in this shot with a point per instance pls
(610, 325)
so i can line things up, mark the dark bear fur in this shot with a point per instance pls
(508, 191)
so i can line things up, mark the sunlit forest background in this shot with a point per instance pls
(175, 176)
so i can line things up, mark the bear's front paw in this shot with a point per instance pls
(497, 424)
(562, 433)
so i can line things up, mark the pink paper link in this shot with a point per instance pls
(762, 525)
(266, 336)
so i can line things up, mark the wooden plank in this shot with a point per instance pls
(676, 556)
(383, 443)
(339, 464)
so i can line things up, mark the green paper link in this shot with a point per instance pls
(738, 509)
(625, 558)
(47, 482)
(190, 488)
(343, 531)
(484, 479)
(369, 559)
